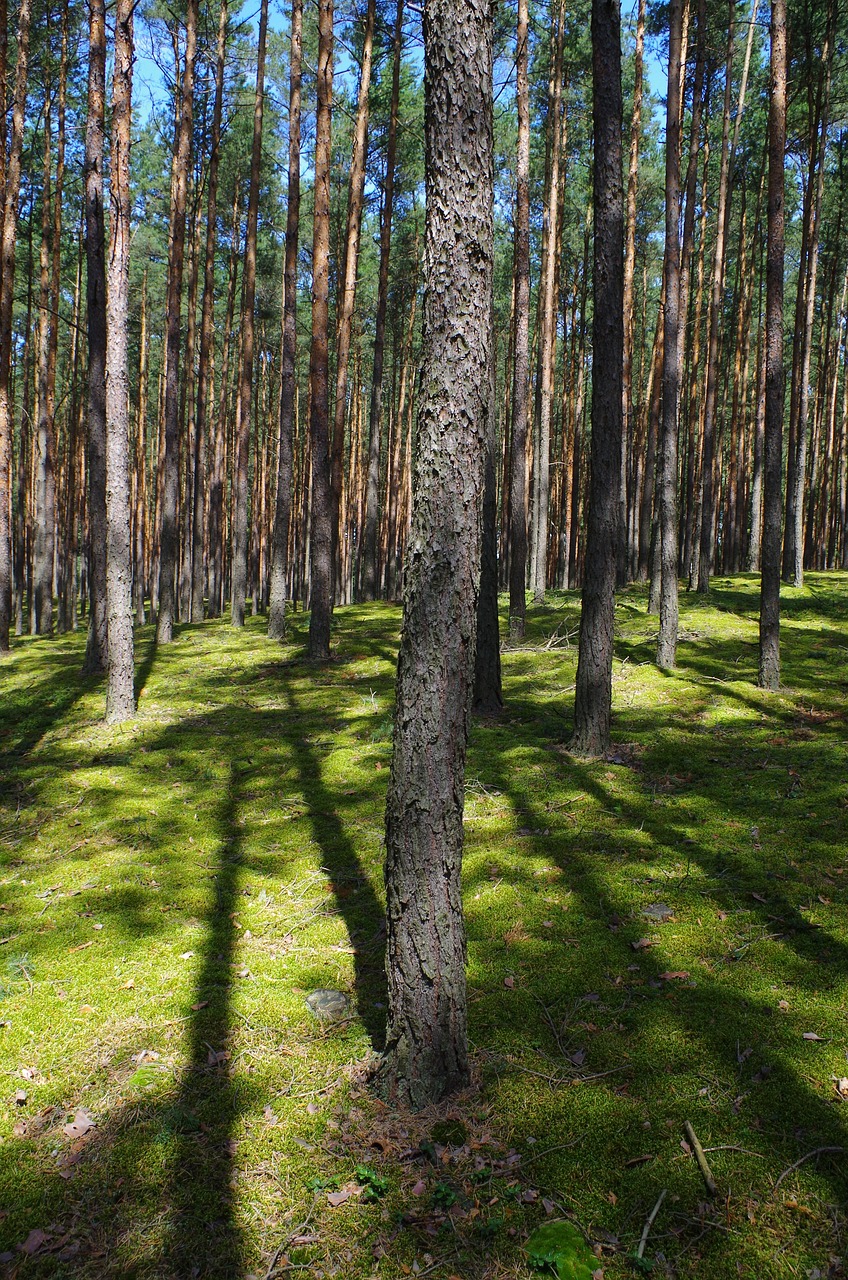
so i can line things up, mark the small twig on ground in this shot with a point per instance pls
(537, 1155)
(819, 1151)
(743, 1150)
(298, 1231)
(647, 1227)
(698, 1151)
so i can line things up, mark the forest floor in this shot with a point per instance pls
(656, 937)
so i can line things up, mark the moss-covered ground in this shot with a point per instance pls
(653, 938)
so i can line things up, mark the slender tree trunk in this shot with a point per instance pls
(521, 374)
(207, 335)
(629, 272)
(7, 293)
(321, 537)
(238, 585)
(593, 693)
(547, 320)
(487, 697)
(120, 700)
(288, 381)
(426, 1043)
(798, 479)
(347, 299)
(769, 674)
(45, 445)
(140, 473)
(173, 340)
(95, 251)
(667, 640)
(372, 493)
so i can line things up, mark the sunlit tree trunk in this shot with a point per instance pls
(521, 372)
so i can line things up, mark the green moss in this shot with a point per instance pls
(172, 890)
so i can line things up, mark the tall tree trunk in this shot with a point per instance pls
(547, 321)
(218, 480)
(593, 692)
(667, 640)
(372, 494)
(120, 700)
(45, 445)
(521, 374)
(321, 537)
(769, 673)
(7, 294)
(207, 334)
(173, 339)
(798, 478)
(350, 262)
(625, 553)
(95, 253)
(426, 1043)
(487, 696)
(238, 585)
(140, 472)
(288, 381)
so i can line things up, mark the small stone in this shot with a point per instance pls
(328, 1005)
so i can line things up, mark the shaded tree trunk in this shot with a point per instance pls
(769, 665)
(426, 1053)
(521, 373)
(7, 293)
(667, 491)
(593, 693)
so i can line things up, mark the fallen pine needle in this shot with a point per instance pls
(819, 1151)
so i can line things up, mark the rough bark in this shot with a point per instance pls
(593, 693)
(7, 286)
(282, 513)
(487, 698)
(173, 340)
(120, 700)
(668, 603)
(368, 581)
(625, 551)
(769, 665)
(45, 461)
(427, 1050)
(321, 532)
(521, 368)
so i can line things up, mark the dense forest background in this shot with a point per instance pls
(226, 388)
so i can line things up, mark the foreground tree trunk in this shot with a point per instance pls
(593, 694)
(667, 491)
(426, 1045)
(7, 293)
(120, 701)
(769, 674)
(95, 251)
(279, 553)
(521, 370)
(321, 534)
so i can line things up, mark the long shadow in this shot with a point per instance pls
(797, 1101)
(357, 902)
(203, 1238)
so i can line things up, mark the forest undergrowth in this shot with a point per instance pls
(653, 938)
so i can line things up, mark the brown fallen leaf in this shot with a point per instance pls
(642, 944)
(82, 946)
(812, 1035)
(34, 1241)
(128, 985)
(783, 1004)
(419, 1188)
(21, 1096)
(509, 982)
(758, 897)
(79, 1126)
(201, 1004)
(335, 1198)
(630, 1164)
(672, 974)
